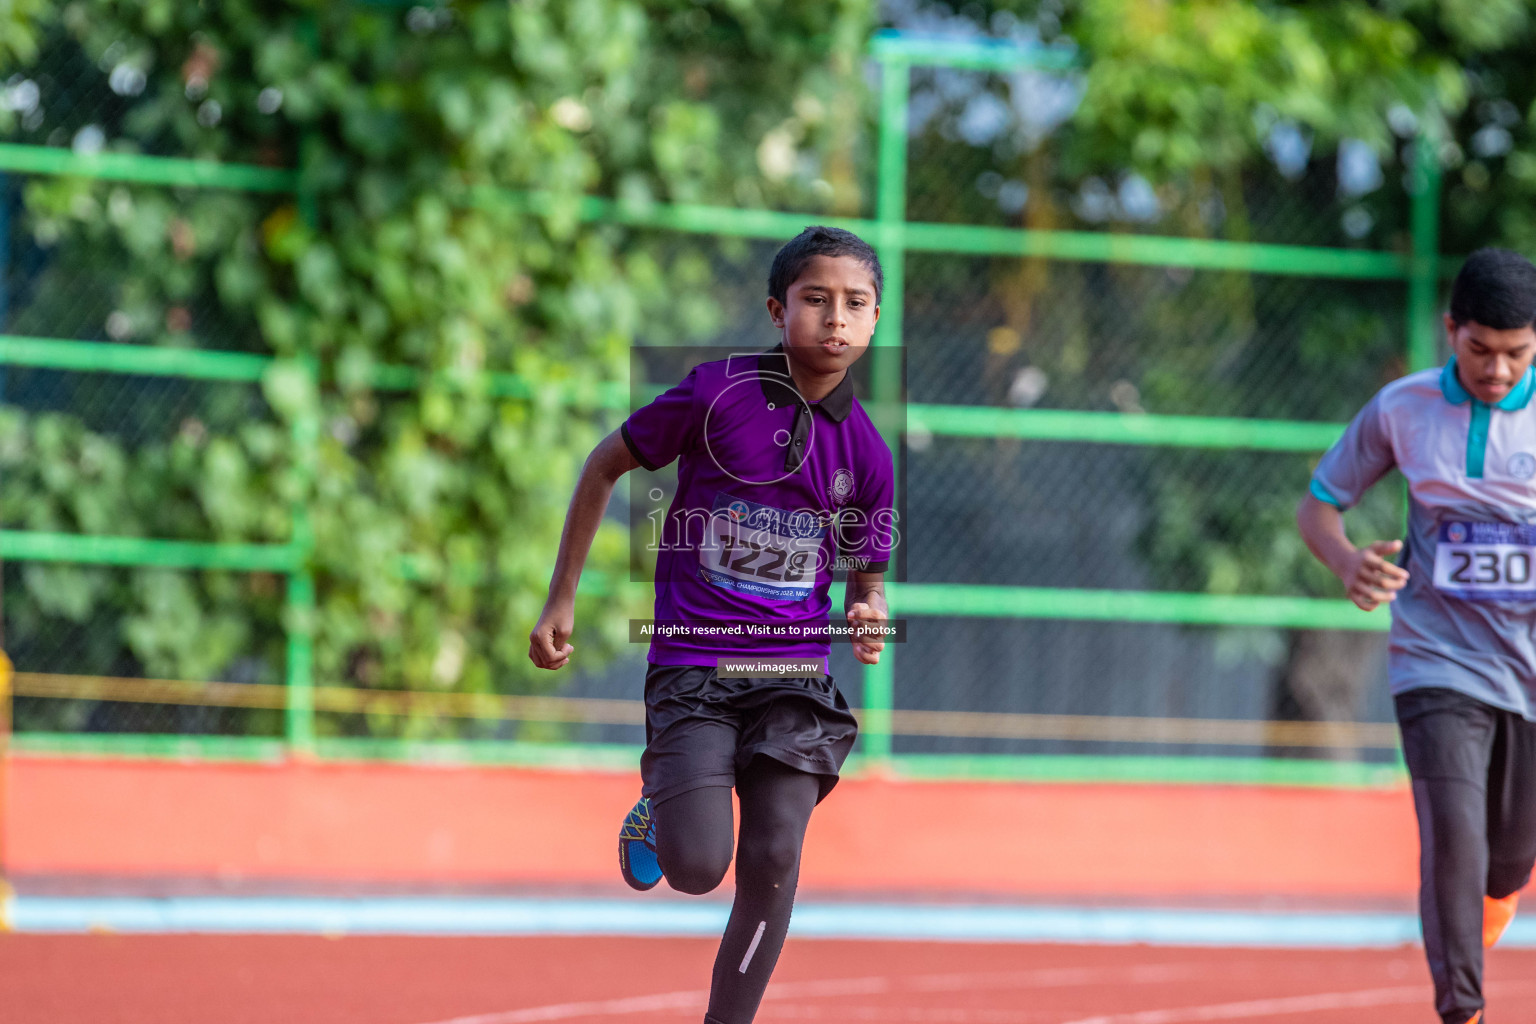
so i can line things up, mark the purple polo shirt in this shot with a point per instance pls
(771, 491)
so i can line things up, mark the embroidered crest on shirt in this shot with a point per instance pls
(1522, 465)
(842, 487)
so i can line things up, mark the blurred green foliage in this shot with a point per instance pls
(19, 33)
(1175, 86)
(435, 512)
(1223, 119)
(1245, 121)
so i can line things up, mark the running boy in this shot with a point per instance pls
(1463, 647)
(780, 469)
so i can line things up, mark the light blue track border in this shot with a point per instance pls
(671, 917)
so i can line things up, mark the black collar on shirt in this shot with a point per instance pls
(779, 389)
(779, 386)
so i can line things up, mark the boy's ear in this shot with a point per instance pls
(776, 311)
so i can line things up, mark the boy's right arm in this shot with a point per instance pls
(1346, 471)
(1369, 578)
(611, 459)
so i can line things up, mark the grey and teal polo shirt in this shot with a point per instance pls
(773, 494)
(1467, 619)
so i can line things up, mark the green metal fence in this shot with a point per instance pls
(901, 242)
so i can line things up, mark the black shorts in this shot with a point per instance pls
(701, 730)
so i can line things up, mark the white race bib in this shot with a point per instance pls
(762, 550)
(1486, 561)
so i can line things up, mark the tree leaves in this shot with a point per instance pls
(1177, 84)
(436, 509)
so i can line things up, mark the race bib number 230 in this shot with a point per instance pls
(1486, 561)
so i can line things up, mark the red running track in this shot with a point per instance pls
(196, 979)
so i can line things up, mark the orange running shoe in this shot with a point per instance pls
(1476, 1018)
(1496, 917)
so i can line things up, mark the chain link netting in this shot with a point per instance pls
(1048, 334)
(999, 332)
(126, 455)
(1092, 336)
(116, 103)
(1002, 150)
(71, 100)
(1105, 669)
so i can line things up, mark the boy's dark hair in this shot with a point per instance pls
(817, 240)
(1496, 288)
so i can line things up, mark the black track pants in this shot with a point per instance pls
(1474, 788)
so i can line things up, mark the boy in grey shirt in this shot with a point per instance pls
(1462, 662)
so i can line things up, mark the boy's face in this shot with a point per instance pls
(1490, 362)
(828, 313)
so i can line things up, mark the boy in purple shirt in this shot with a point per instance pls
(781, 472)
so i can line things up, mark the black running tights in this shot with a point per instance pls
(693, 845)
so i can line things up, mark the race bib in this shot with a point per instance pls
(1486, 561)
(761, 550)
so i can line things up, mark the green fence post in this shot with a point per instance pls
(299, 611)
(891, 195)
(299, 725)
(302, 605)
(5, 789)
(891, 212)
(1424, 269)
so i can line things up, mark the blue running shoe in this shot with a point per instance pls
(637, 848)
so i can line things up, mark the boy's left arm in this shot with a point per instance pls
(869, 536)
(864, 601)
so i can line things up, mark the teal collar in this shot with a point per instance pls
(1518, 398)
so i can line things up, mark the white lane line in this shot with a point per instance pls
(1043, 978)
(674, 1001)
(912, 1014)
(1186, 1015)
(1269, 1007)
(1228, 1011)
(1048, 977)
(1290, 1005)
(690, 1000)
(1052, 977)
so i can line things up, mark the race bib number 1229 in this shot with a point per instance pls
(1486, 561)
